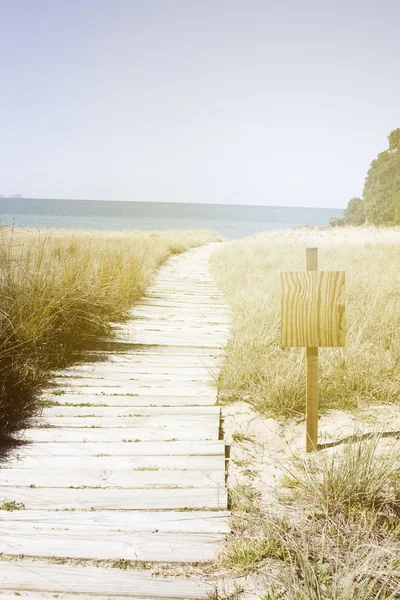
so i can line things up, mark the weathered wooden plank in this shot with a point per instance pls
(119, 434)
(144, 351)
(158, 421)
(107, 369)
(154, 399)
(163, 522)
(207, 463)
(140, 390)
(199, 368)
(149, 412)
(120, 499)
(179, 448)
(179, 300)
(177, 332)
(131, 380)
(25, 575)
(94, 544)
(160, 315)
(76, 476)
(188, 303)
(128, 360)
(174, 341)
(168, 327)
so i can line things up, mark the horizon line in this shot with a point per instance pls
(169, 202)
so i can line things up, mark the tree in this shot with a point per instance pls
(354, 214)
(382, 185)
(394, 139)
(396, 202)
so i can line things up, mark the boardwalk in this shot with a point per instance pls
(129, 463)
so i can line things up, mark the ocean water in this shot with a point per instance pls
(230, 221)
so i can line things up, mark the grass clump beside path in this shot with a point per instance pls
(59, 290)
(345, 542)
(361, 478)
(273, 379)
(334, 533)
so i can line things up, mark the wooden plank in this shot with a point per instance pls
(207, 463)
(127, 360)
(189, 302)
(177, 336)
(168, 328)
(94, 544)
(157, 421)
(76, 476)
(141, 352)
(106, 369)
(161, 314)
(143, 390)
(120, 499)
(179, 448)
(33, 576)
(119, 434)
(168, 412)
(179, 324)
(154, 399)
(128, 380)
(312, 308)
(125, 367)
(215, 296)
(177, 341)
(194, 299)
(163, 522)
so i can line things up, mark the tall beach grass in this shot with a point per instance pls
(59, 290)
(272, 379)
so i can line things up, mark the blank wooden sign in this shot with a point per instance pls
(312, 308)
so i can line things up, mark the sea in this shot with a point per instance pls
(229, 221)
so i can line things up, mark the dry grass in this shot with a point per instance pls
(362, 477)
(339, 536)
(59, 290)
(271, 378)
(334, 530)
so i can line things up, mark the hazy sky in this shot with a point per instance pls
(240, 101)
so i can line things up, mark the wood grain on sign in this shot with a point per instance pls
(312, 308)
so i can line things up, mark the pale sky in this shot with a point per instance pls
(240, 101)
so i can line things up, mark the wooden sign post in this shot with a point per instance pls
(312, 316)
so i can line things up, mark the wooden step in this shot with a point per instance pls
(60, 579)
(120, 399)
(129, 380)
(120, 434)
(158, 421)
(116, 499)
(162, 522)
(183, 462)
(109, 478)
(106, 544)
(149, 412)
(134, 390)
(131, 449)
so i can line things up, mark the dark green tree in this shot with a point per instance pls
(354, 213)
(382, 185)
